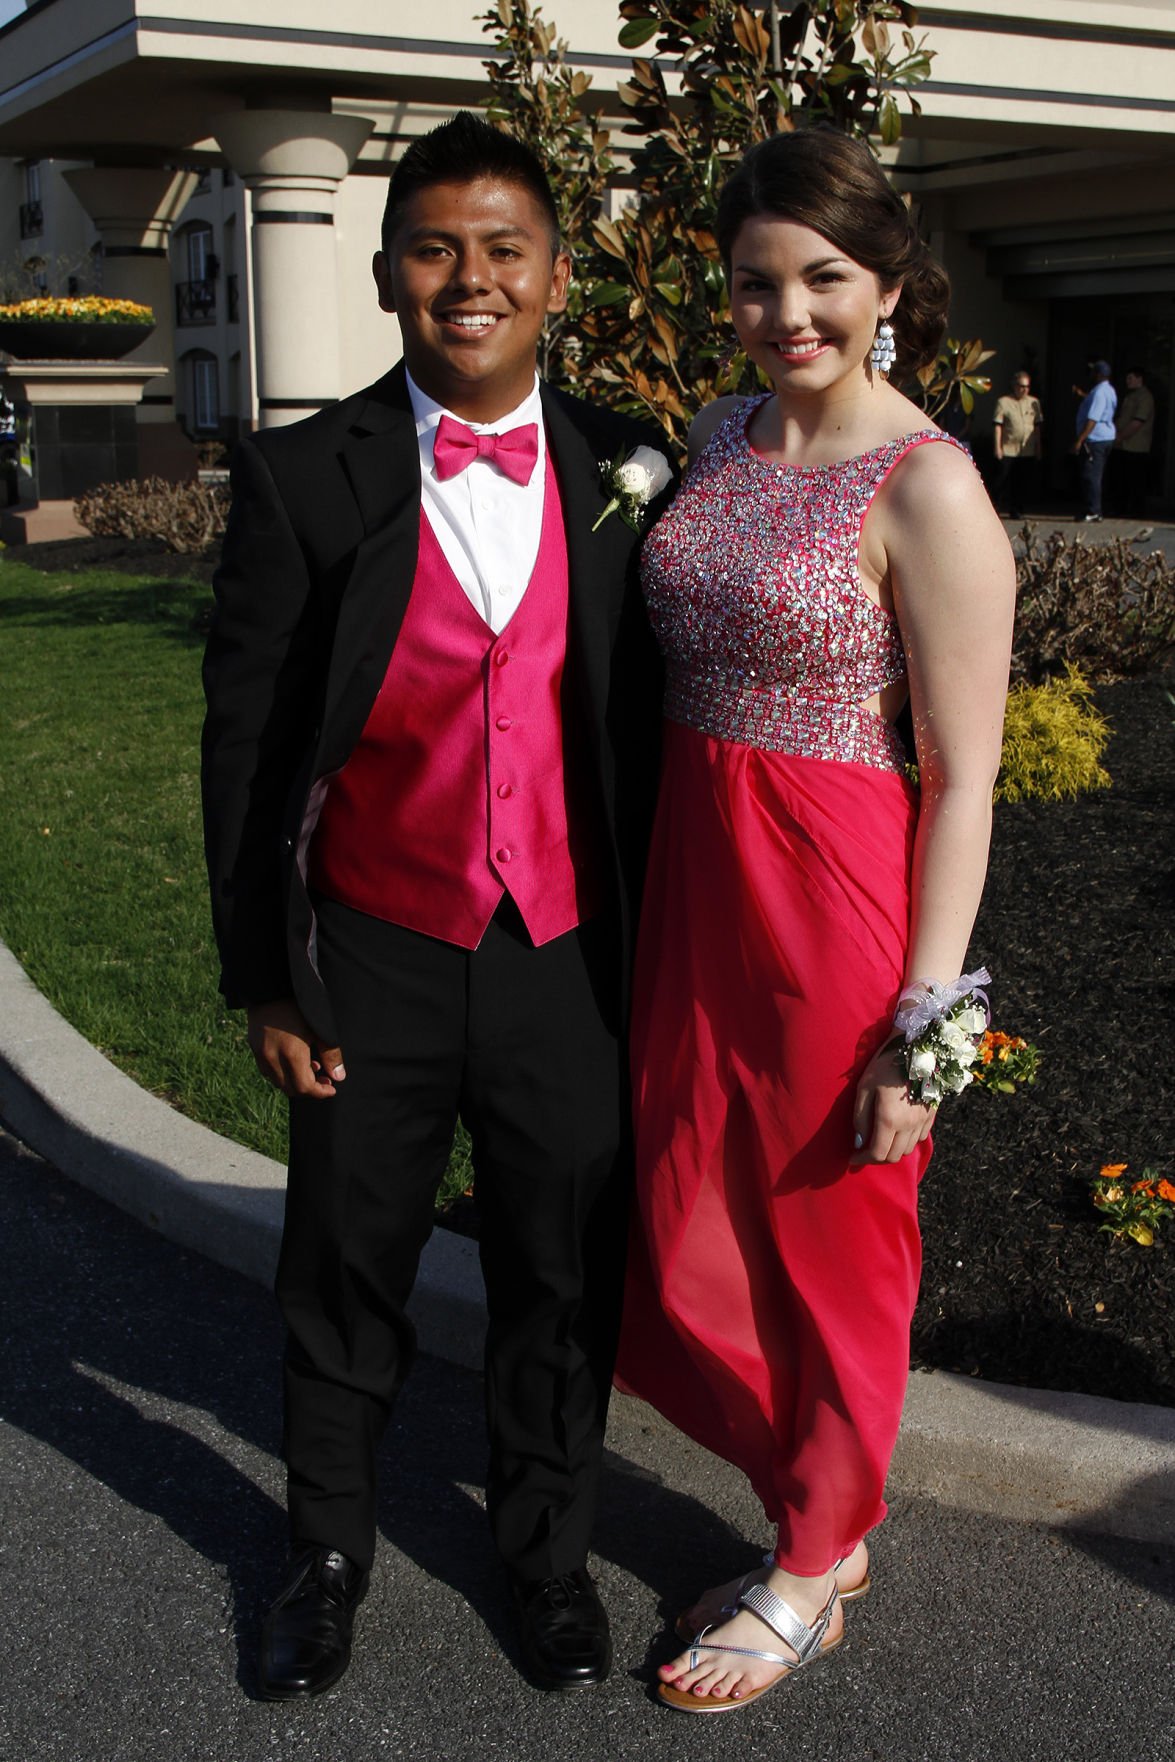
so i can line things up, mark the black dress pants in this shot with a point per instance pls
(524, 1042)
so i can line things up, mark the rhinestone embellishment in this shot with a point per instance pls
(754, 593)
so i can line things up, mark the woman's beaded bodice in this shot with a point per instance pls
(754, 592)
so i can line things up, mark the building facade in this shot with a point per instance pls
(226, 160)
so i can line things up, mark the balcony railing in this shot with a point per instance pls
(234, 298)
(32, 220)
(195, 302)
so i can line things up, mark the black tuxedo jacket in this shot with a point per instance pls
(318, 564)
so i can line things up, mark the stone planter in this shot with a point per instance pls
(60, 339)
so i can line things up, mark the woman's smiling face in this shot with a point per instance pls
(804, 312)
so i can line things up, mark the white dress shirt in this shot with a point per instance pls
(488, 527)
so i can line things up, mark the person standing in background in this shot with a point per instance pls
(1132, 448)
(1019, 421)
(1095, 438)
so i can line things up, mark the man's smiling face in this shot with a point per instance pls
(471, 274)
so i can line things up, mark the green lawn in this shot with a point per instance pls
(102, 887)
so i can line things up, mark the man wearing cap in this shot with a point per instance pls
(1095, 438)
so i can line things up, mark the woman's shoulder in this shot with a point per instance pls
(709, 420)
(933, 463)
(928, 478)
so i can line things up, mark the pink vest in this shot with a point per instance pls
(455, 792)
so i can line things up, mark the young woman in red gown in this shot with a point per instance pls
(831, 553)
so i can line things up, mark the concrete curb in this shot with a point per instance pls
(1071, 1460)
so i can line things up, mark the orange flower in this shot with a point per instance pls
(1167, 1191)
(1147, 1187)
(1110, 1169)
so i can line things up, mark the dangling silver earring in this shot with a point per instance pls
(883, 352)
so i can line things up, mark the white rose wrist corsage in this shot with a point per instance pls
(941, 1028)
(633, 483)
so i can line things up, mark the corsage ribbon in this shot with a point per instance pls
(926, 1001)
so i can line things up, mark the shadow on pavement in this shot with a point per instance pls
(108, 1329)
(158, 1373)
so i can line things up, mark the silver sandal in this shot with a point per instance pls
(685, 1629)
(808, 1644)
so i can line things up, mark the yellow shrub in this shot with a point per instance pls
(1053, 741)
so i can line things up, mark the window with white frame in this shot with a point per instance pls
(203, 393)
(199, 251)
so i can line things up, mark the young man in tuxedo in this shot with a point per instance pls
(429, 765)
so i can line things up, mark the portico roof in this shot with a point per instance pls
(135, 81)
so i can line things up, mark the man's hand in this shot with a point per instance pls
(287, 1054)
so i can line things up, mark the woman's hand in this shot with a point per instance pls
(886, 1123)
(287, 1054)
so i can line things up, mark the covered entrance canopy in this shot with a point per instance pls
(1045, 147)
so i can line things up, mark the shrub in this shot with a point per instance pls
(1101, 608)
(211, 454)
(186, 517)
(1053, 741)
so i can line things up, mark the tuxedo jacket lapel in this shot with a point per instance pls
(597, 561)
(381, 461)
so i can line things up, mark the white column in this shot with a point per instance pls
(135, 209)
(293, 163)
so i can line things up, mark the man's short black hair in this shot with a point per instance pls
(459, 151)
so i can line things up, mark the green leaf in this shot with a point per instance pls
(607, 293)
(638, 32)
(669, 290)
(889, 121)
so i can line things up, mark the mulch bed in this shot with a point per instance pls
(132, 556)
(1019, 1283)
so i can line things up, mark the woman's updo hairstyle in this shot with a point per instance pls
(821, 178)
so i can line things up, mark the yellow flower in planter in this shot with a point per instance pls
(77, 309)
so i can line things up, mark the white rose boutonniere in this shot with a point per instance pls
(633, 483)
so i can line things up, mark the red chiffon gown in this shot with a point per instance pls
(771, 1286)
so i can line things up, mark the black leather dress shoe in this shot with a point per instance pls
(562, 1631)
(306, 1637)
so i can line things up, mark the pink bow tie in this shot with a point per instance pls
(514, 452)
